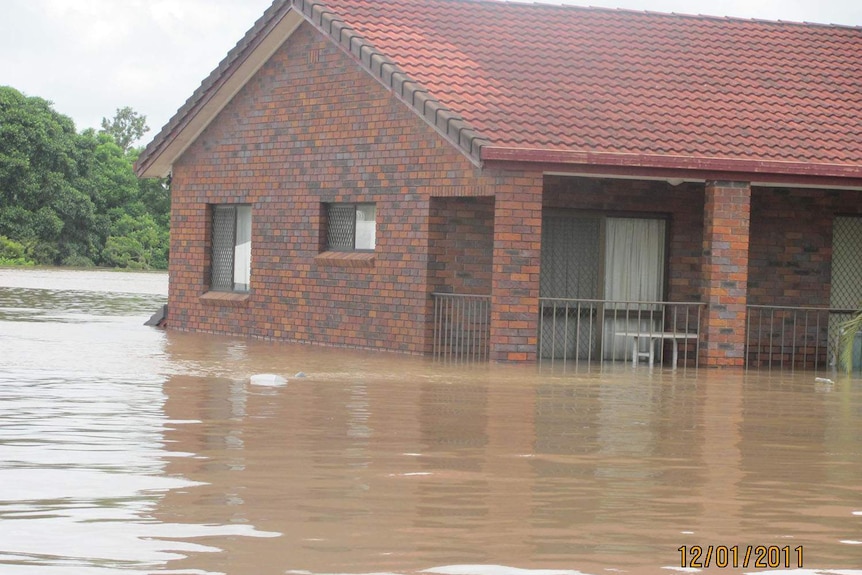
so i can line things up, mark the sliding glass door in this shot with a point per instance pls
(599, 257)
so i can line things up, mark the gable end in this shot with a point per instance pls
(447, 122)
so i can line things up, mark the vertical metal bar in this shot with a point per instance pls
(438, 304)
(434, 327)
(487, 344)
(440, 322)
(817, 340)
(473, 328)
(555, 330)
(566, 335)
(467, 330)
(805, 342)
(474, 337)
(463, 327)
(450, 325)
(578, 334)
(541, 337)
(793, 341)
(480, 326)
(447, 347)
(771, 330)
(748, 338)
(459, 340)
(760, 315)
(783, 337)
(444, 327)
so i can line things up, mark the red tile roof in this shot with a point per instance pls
(534, 82)
(549, 77)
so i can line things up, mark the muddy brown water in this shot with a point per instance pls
(126, 449)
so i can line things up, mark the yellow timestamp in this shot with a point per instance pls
(745, 556)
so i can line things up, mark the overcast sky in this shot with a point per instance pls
(91, 57)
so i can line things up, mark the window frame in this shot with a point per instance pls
(234, 249)
(335, 246)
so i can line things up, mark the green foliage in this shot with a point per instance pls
(847, 334)
(73, 199)
(76, 261)
(126, 128)
(137, 243)
(13, 253)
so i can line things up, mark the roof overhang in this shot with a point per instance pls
(687, 168)
(215, 93)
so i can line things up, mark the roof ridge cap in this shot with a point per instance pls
(446, 121)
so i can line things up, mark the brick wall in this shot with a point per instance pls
(461, 245)
(725, 272)
(790, 258)
(791, 244)
(515, 278)
(306, 131)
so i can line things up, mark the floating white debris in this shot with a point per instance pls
(267, 380)
(823, 380)
(299, 374)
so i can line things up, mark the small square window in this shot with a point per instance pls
(351, 227)
(231, 248)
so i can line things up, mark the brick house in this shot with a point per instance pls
(521, 182)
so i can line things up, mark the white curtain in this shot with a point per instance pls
(634, 259)
(634, 272)
(366, 227)
(242, 251)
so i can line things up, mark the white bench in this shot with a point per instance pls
(674, 336)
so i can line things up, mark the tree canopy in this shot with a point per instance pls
(126, 127)
(73, 198)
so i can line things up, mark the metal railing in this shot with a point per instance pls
(590, 330)
(792, 338)
(462, 327)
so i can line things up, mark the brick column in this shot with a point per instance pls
(727, 208)
(515, 271)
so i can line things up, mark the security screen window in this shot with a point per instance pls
(231, 248)
(352, 227)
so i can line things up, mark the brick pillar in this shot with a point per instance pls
(727, 208)
(515, 271)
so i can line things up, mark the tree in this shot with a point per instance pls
(127, 127)
(73, 199)
(40, 162)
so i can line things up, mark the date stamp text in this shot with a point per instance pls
(736, 556)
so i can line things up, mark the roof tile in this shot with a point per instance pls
(618, 81)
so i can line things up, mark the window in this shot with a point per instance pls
(231, 248)
(352, 227)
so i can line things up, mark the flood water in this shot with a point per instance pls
(128, 449)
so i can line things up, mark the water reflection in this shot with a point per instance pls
(366, 471)
(127, 448)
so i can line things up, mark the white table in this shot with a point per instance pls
(674, 336)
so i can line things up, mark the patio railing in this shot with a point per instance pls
(572, 331)
(589, 330)
(462, 327)
(793, 337)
